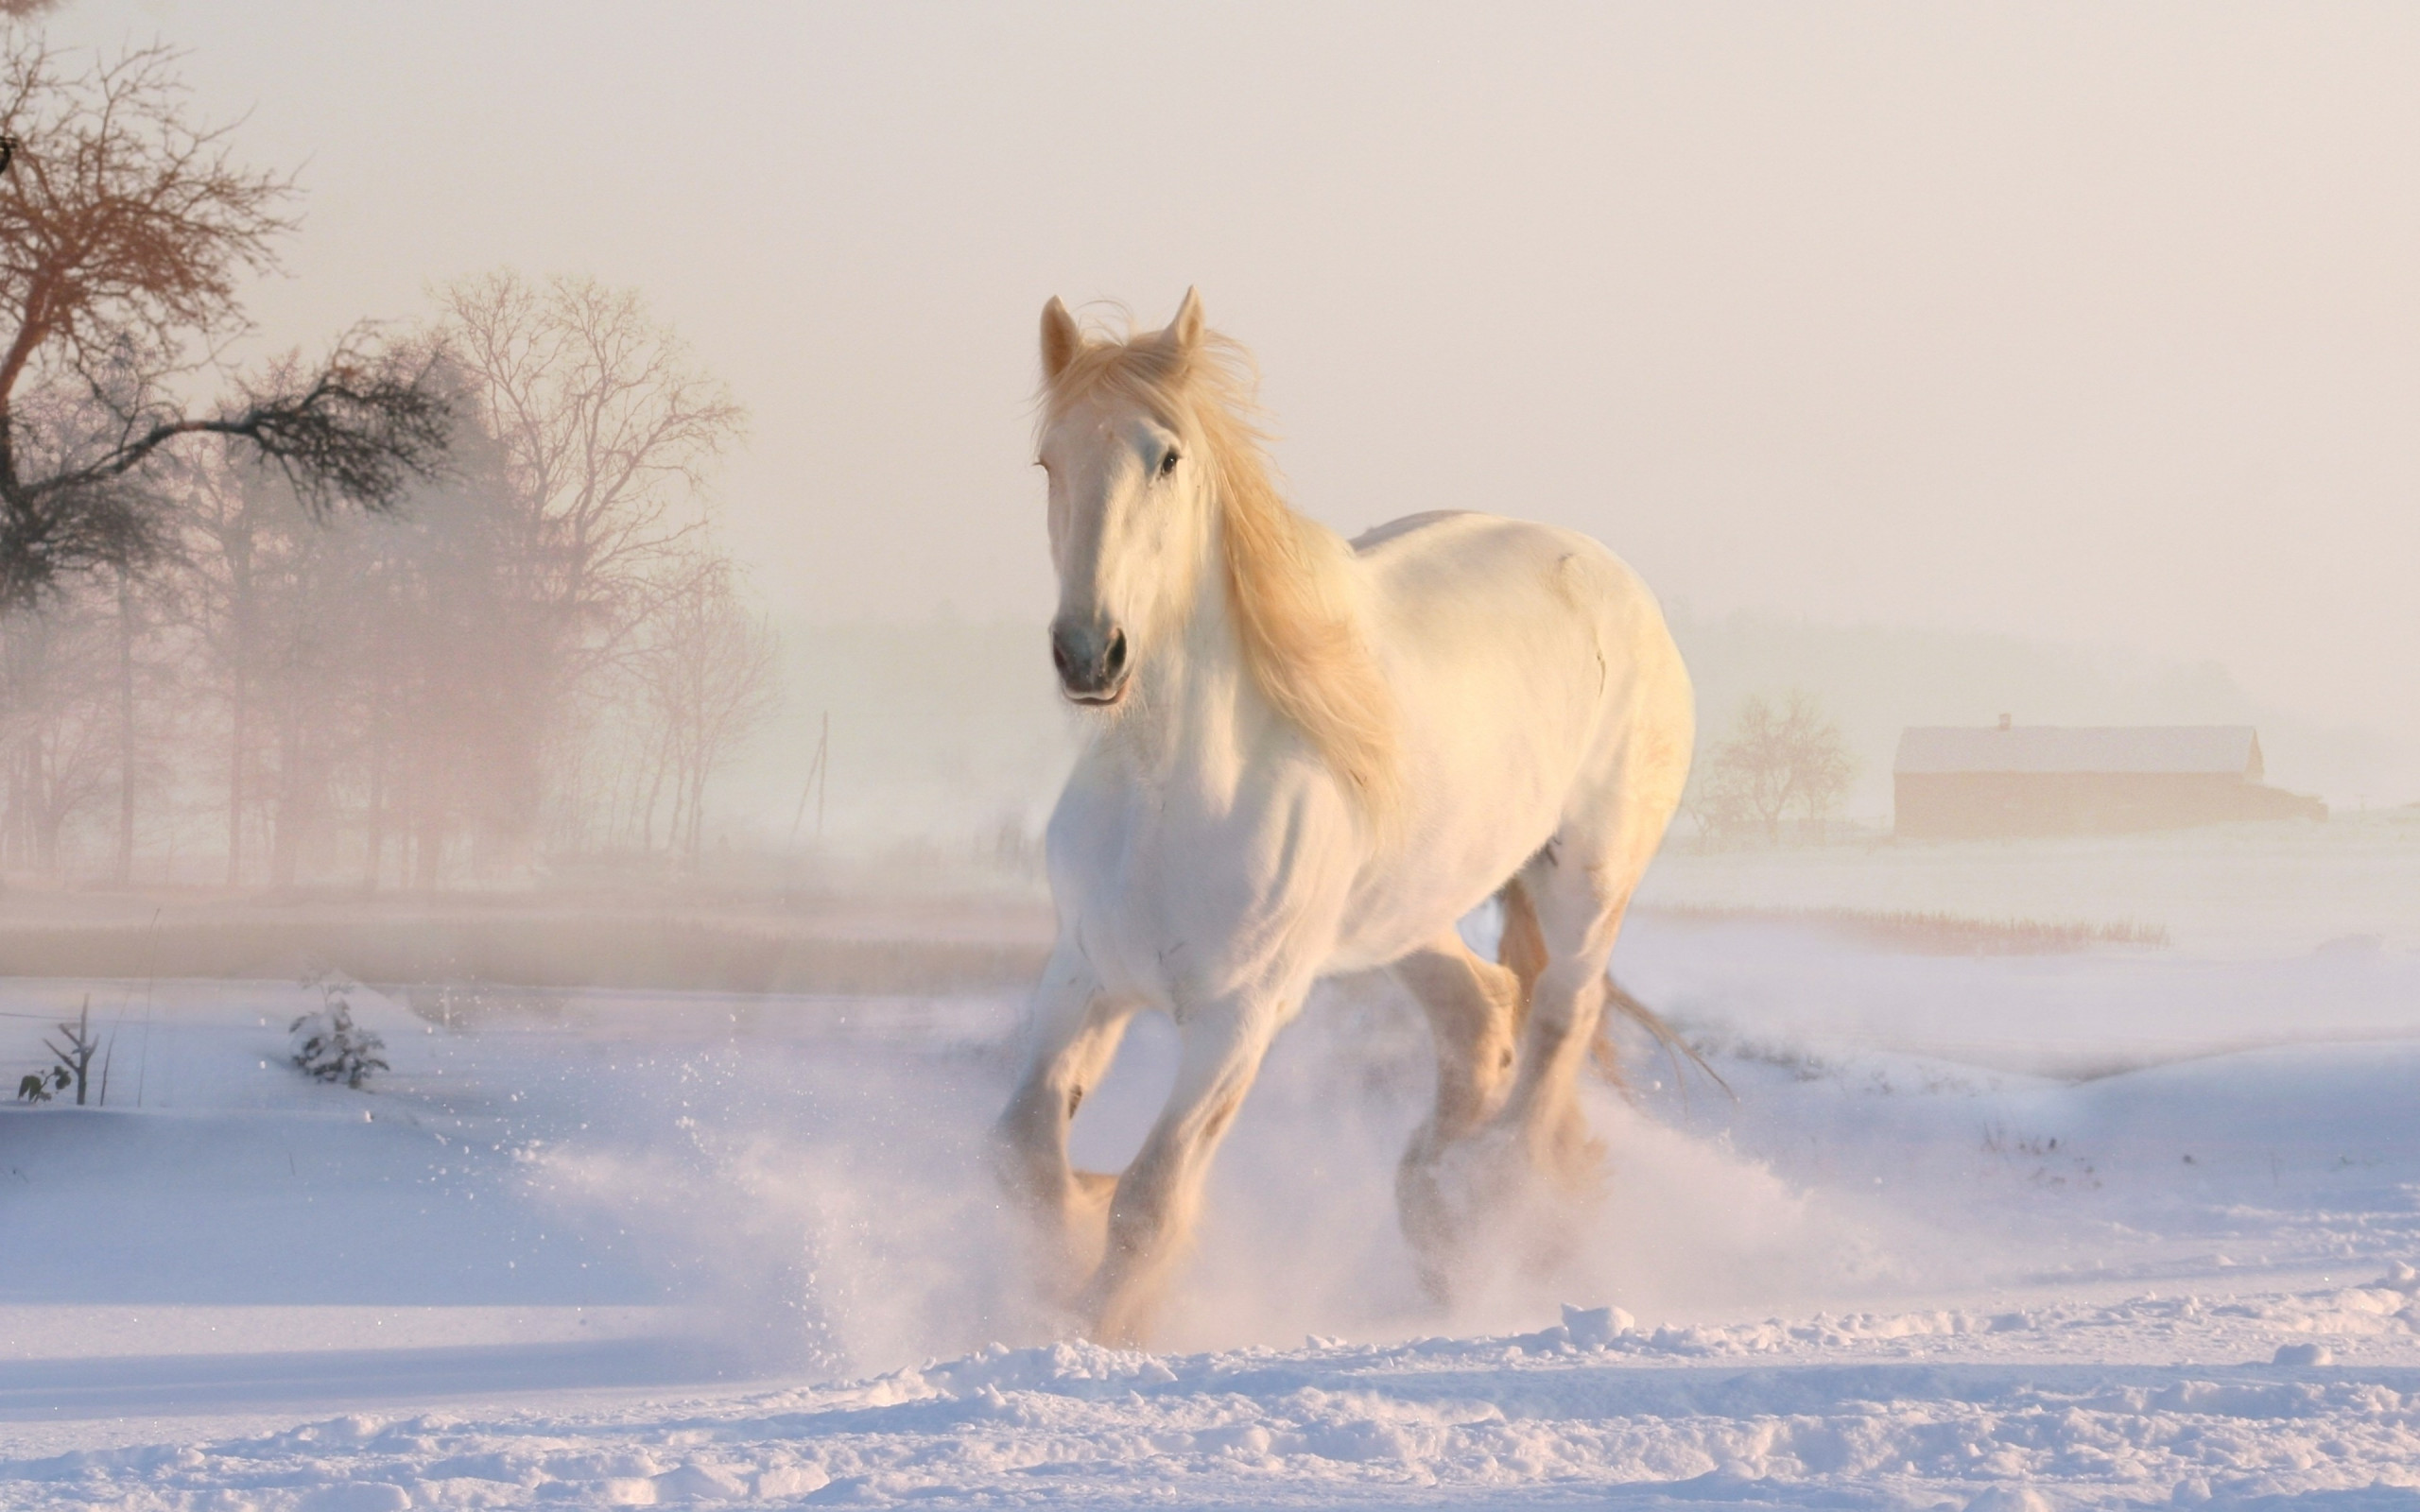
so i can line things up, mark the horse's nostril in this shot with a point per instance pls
(1116, 660)
(1059, 657)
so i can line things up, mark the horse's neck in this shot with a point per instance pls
(1197, 706)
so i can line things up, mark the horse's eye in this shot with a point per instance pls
(1167, 464)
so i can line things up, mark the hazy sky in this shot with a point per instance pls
(2091, 322)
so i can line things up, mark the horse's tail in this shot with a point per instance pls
(1609, 1061)
(1522, 948)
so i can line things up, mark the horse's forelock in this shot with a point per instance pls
(1134, 369)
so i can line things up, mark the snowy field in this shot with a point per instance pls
(2231, 892)
(2129, 1226)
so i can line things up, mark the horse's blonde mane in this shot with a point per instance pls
(1289, 578)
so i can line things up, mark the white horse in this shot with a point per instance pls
(1314, 757)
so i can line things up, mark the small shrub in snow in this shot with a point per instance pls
(74, 1068)
(329, 1046)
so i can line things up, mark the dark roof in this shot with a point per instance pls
(2231, 749)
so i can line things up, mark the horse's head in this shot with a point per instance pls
(1130, 495)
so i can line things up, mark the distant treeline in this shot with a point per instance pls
(437, 604)
(543, 652)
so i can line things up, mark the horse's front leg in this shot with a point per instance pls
(1075, 1034)
(1151, 1217)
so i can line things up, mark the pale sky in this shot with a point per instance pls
(2087, 322)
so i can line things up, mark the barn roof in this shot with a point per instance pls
(2231, 749)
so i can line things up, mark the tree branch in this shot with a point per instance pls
(353, 432)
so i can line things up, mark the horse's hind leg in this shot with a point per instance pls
(1473, 1011)
(1542, 1107)
(1577, 888)
(1075, 1031)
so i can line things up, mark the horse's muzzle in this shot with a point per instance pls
(1091, 659)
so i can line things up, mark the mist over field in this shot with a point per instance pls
(533, 681)
(2082, 330)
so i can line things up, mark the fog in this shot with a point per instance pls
(668, 808)
(2088, 327)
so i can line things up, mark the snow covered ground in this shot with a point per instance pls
(2122, 1228)
(2228, 891)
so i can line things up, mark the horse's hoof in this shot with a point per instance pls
(1433, 1228)
(1116, 1317)
(1447, 1198)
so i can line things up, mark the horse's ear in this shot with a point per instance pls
(1184, 336)
(1061, 338)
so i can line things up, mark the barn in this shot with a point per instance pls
(1962, 783)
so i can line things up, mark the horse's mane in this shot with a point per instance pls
(1289, 578)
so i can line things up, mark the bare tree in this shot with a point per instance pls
(608, 427)
(81, 718)
(56, 743)
(380, 675)
(130, 626)
(710, 669)
(232, 542)
(460, 703)
(75, 1056)
(1777, 760)
(275, 602)
(126, 230)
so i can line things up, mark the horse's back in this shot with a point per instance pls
(1538, 687)
(1464, 580)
